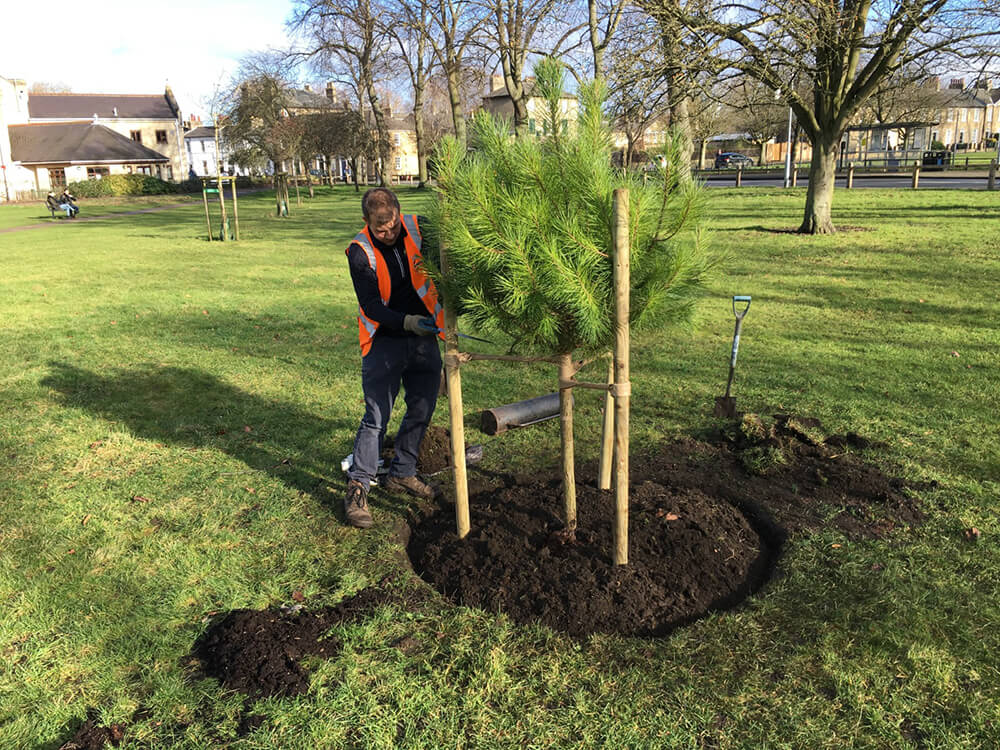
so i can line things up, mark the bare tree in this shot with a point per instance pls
(350, 35)
(603, 19)
(254, 112)
(516, 30)
(452, 28)
(756, 111)
(409, 28)
(843, 49)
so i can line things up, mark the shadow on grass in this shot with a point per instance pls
(188, 407)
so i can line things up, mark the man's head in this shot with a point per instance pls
(380, 207)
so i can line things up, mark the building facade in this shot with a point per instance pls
(50, 140)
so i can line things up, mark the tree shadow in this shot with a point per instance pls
(189, 407)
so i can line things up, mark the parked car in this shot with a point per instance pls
(732, 159)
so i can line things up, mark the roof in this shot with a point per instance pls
(76, 106)
(48, 143)
(302, 99)
(529, 91)
(203, 131)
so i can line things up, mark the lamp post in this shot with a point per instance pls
(788, 152)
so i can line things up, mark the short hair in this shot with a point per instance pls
(378, 199)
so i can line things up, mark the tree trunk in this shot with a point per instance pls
(455, 99)
(680, 119)
(819, 196)
(418, 126)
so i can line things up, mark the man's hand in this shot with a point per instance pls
(422, 325)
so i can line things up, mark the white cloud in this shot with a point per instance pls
(113, 46)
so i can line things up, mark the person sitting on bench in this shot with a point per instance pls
(52, 203)
(66, 203)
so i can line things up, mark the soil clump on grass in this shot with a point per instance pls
(707, 521)
(93, 736)
(260, 652)
(435, 451)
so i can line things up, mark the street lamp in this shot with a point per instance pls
(788, 144)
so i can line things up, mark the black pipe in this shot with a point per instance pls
(520, 414)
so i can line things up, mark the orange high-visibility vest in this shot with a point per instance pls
(422, 284)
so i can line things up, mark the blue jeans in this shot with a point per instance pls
(415, 363)
(69, 209)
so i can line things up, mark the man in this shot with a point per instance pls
(66, 200)
(398, 315)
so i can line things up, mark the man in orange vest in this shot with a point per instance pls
(398, 315)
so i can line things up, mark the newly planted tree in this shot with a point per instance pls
(527, 225)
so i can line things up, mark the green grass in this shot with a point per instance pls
(36, 212)
(220, 382)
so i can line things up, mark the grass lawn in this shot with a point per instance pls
(36, 212)
(173, 413)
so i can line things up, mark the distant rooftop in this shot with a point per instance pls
(76, 106)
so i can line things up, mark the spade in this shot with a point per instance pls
(725, 406)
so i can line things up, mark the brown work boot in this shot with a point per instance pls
(411, 486)
(356, 505)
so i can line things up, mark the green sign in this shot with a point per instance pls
(211, 190)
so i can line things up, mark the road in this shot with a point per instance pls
(928, 180)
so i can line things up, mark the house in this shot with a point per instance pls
(49, 140)
(199, 144)
(499, 103)
(955, 117)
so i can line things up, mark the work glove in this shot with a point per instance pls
(422, 325)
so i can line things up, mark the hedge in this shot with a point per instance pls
(121, 184)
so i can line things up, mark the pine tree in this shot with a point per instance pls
(527, 227)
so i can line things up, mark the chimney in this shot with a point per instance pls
(331, 92)
(496, 82)
(933, 83)
(114, 111)
(957, 83)
(95, 117)
(308, 88)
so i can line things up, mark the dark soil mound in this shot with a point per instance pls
(804, 479)
(688, 554)
(707, 521)
(259, 652)
(435, 451)
(92, 736)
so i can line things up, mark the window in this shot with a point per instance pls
(161, 136)
(395, 138)
(97, 173)
(144, 170)
(136, 135)
(204, 167)
(170, 172)
(159, 172)
(57, 178)
(961, 115)
(399, 163)
(202, 146)
(961, 136)
(975, 115)
(531, 126)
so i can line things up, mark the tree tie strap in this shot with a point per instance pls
(620, 390)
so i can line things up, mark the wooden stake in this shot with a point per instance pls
(607, 434)
(236, 211)
(566, 372)
(915, 182)
(220, 183)
(622, 385)
(208, 218)
(455, 413)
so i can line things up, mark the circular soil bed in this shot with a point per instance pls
(688, 554)
(707, 520)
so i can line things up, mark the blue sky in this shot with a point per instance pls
(114, 46)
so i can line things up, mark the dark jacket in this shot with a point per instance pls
(403, 301)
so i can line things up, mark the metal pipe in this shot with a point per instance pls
(519, 414)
